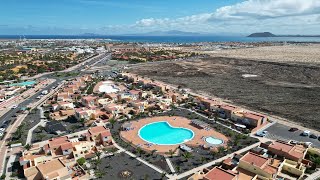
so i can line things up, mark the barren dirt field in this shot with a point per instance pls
(301, 53)
(290, 91)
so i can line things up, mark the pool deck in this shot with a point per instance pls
(176, 121)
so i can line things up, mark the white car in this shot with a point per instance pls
(262, 134)
(2, 129)
(1, 134)
(14, 106)
(306, 133)
(308, 143)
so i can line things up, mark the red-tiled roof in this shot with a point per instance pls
(66, 146)
(255, 159)
(97, 129)
(292, 150)
(228, 107)
(219, 174)
(106, 134)
(253, 116)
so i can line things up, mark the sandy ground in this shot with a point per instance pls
(301, 53)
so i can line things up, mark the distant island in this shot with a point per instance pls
(262, 34)
(268, 34)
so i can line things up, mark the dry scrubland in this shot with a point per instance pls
(307, 54)
(288, 90)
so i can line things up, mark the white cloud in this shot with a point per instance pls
(262, 14)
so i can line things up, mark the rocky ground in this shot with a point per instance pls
(288, 90)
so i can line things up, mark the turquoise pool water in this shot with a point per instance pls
(214, 141)
(26, 83)
(162, 133)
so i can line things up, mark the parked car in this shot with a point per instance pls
(2, 129)
(308, 143)
(294, 142)
(306, 133)
(313, 136)
(293, 129)
(262, 134)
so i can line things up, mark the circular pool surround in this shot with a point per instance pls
(162, 133)
(213, 140)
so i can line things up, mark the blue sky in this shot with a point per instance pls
(133, 16)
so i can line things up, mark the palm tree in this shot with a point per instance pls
(213, 153)
(27, 147)
(99, 174)
(171, 152)
(82, 121)
(221, 149)
(96, 163)
(112, 121)
(163, 175)
(187, 155)
(153, 151)
(98, 154)
(202, 159)
(178, 168)
(139, 151)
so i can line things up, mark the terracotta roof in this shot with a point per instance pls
(89, 98)
(228, 107)
(253, 116)
(218, 173)
(293, 150)
(58, 141)
(281, 146)
(255, 159)
(134, 92)
(270, 169)
(106, 134)
(97, 129)
(46, 147)
(50, 166)
(66, 146)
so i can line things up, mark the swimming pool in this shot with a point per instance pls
(214, 141)
(26, 83)
(162, 133)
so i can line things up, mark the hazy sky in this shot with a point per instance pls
(134, 16)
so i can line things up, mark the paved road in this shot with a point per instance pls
(32, 98)
(280, 131)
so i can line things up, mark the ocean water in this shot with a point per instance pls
(170, 39)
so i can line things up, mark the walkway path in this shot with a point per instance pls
(139, 159)
(41, 123)
(170, 165)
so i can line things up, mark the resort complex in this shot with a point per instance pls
(147, 128)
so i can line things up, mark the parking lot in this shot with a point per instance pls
(279, 131)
